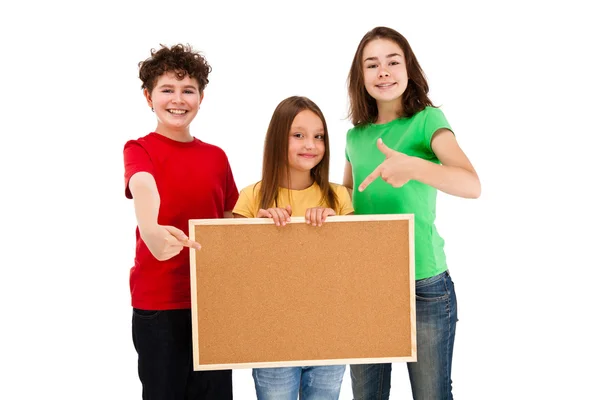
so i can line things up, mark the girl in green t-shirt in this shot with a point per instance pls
(400, 137)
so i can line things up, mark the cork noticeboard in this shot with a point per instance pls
(298, 295)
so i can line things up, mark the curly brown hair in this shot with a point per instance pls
(180, 59)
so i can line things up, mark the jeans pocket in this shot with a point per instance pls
(434, 288)
(145, 314)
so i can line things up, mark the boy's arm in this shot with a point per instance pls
(146, 200)
(163, 241)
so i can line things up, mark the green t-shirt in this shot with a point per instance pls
(411, 136)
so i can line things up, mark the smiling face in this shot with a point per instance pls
(384, 71)
(175, 102)
(306, 143)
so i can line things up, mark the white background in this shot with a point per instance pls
(518, 83)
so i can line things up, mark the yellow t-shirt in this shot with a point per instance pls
(299, 200)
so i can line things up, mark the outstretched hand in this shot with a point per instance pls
(280, 215)
(397, 169)
(165, 242)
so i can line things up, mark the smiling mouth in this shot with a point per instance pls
(385, 85)
(307, 155)
(177, 112)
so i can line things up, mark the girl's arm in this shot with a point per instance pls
(348, 180)
(455, 176)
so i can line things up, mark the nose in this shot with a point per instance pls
(309, 144)
(383, 73)
(176, 97)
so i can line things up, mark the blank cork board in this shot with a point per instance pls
(299, 295)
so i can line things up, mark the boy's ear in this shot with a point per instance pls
(201, 98)
(148, 98)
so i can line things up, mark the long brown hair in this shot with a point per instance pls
(363, 107)
(275, 157)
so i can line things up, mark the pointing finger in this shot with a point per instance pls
(369, 179)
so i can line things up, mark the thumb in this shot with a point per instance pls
(384, 149)
(288, 208)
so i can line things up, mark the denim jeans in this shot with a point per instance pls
(430, 376)
(311, 383)
(163, 341)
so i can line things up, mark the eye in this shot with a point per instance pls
(320, 137)
(372, 66)
(189, 91)
(394, 63)
(298, 135)
(167, 91)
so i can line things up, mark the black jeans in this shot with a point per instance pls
(163, 341)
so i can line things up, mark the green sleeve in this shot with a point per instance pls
(434, 121)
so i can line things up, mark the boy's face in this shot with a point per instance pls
(175, 102)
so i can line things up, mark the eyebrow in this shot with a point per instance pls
(168, 85)
(388, 56)
(301, 128)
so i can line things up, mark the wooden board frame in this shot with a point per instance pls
(215, 289)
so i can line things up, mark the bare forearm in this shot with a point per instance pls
(146, 200)
(455, 181)
(146, 208)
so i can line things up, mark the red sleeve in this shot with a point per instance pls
(232, 194)
(136, 160)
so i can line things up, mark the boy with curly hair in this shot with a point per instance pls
(172, 177)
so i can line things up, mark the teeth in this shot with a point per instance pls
(178, 112)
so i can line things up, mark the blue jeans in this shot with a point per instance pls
(163, 341)
(430, 376)
(311, 383)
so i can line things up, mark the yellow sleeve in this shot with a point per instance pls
(345, 202)
(246, 204)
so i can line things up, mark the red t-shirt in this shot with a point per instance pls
(194, 180)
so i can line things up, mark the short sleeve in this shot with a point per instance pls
(434, 121)
(231, 190)
(246, 203)
(136, 159)
(345, 202)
